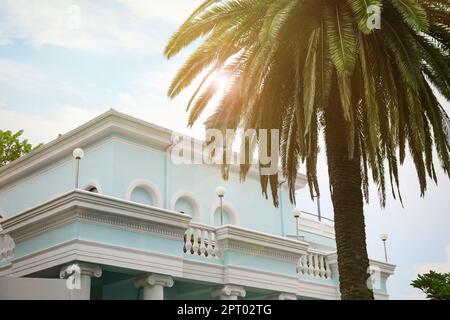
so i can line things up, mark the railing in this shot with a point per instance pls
(200, 240)
(320, 218)
(314, 264)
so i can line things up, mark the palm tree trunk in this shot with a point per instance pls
(346, 194)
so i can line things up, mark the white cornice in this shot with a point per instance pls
(386, 268)
(316, 227)
(100, 127)
(95, 208)
(92, 131)
(177, 267)
(259, 244)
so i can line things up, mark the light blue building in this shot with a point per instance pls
(141, 227)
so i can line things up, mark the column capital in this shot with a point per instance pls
(229, 291)
(282, 296)
(154, 280)
(87, 269)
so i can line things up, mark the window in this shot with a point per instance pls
(229, 215)
(93, 186)
(144, 192)
(92, 189)
(186, 202)
(217, 217)
(141, 195)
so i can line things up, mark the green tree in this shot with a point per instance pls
(313, 67)
(12, 147)
(435, 285)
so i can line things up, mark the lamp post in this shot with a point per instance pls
(78, 153)
(296, 213)
(220, 191)
(383, 238)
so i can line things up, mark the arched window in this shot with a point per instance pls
(187, 203)
(145, 192)
(141, 195)
(93, 186)
(93, 189)
(229, 215)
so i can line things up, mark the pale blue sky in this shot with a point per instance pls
(57, 73)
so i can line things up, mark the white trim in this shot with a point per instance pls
(315, 227)
(256, 243)
(151, 188)
(177, 267)
(96, 208)
(98, 128)
(93, 184)
(198, 212)
(228, 208)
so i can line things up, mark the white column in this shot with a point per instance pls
(282, 296)
(78, 277)
(229, 292)
(153, 285)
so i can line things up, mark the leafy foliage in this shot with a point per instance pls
(285, 57)
(435, 285)
(11, 147)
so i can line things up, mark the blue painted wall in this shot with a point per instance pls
(116, 161)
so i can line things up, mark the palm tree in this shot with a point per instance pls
(313, 67)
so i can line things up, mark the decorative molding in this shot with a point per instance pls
(91, 270)
(154, 280)
(387, 269)
(148, 186)
(257, 243)
(282, 296)
(229, 291)
(198, 212)
(315, 227)
(178, 267)
(81, 205)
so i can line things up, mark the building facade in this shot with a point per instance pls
(139, 226)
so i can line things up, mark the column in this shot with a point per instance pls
(153, 285)
(78, 277)
(282, 296)
(229, 292)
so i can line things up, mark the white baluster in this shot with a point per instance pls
(216, 251)
(302, 265)
(316, 265)
(203, 234)
(209, 249)
(322, 267)
(195, 246)
(310, 264)
(328, 269)
(188, 243)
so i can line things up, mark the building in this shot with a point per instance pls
(141, 227)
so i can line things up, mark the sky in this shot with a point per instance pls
(64, 62)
